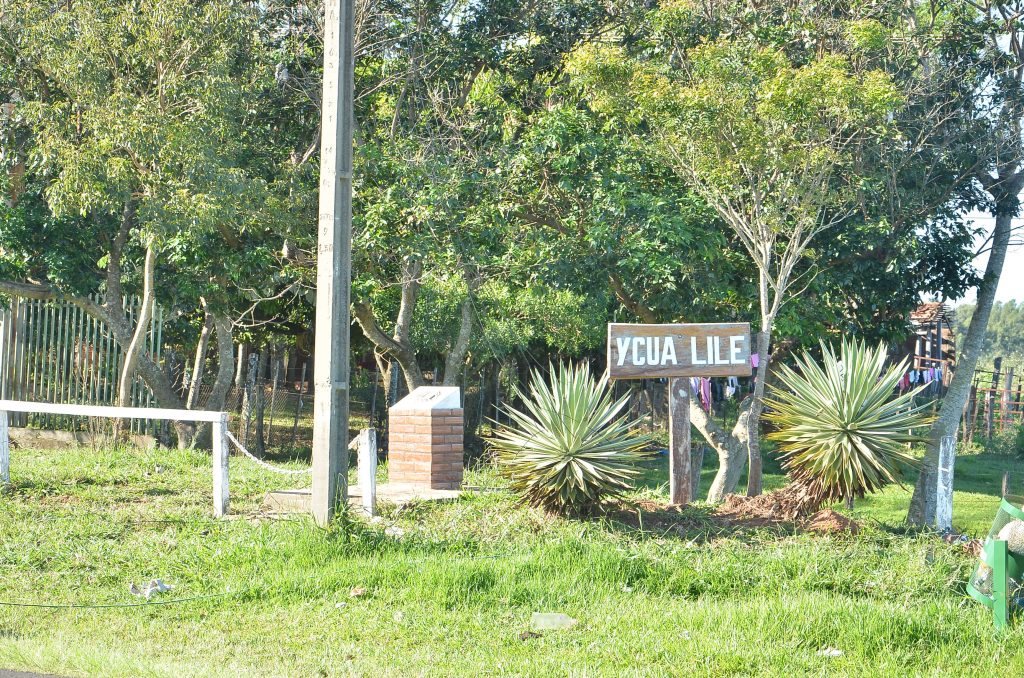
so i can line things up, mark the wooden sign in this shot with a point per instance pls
(679, 350)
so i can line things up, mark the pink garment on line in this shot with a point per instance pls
(755, 359)
(705, 393)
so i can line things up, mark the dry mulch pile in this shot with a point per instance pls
(830, 522)
(789, 506)
(785, 509)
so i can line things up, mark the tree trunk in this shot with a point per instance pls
(225, 363)
(135, 347)
(731, 448)
(111, 313)
(922, 504)
(456, 358)
(240, 368)
(261, 404)
(200, 362)
(399, 345)
(249, 397)
(225, 373)
(754, 478)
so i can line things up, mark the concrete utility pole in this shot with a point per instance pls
(334, 265)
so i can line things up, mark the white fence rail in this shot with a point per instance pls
(218, 419)
(52, 351)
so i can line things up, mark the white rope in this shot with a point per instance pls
(262, 463)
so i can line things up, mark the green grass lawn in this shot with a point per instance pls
(449, 588)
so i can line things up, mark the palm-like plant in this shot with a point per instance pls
(571, 448)
(841, 429)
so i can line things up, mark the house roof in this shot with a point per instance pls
(930, 313)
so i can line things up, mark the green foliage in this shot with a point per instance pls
(487, 151)
(768, 140)
(1008, 442)
(841, 431)
(141, 115)
(606, 208)
(572, 448)
(1004, 336)
(700, 84)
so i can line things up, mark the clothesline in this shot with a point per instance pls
(917, 377)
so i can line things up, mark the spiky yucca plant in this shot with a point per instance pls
(571, 448)
(842, 430)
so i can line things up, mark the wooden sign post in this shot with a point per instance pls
(677, 352)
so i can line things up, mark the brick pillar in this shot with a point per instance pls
(425, 447)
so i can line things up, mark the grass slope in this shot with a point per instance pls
(449, 589)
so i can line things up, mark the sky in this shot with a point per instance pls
(1011, 284)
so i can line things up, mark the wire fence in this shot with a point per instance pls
(996, 402)
(52, 351)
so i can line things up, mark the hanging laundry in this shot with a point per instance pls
(705, 393)
(732, 387)
(755, 360)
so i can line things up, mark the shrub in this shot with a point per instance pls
(571, 448)
(842, 431)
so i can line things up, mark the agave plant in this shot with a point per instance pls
(571, 448)
(841, 428)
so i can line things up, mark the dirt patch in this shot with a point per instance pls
(785, 505)
(652, 516)
(830, 522)
(735, 515)
(788, 510)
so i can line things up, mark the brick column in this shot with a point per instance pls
(425, 447)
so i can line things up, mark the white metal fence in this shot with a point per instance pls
(54, 352)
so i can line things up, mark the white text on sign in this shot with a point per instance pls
(638, 351)
(656, 351)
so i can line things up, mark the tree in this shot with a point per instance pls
(131, 124)
(441, 109)
(993, 32)
(770, 145)
(1005, 335)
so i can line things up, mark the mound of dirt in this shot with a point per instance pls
(785, 505)
(830, 522)
(651, 515)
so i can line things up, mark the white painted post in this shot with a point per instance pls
(5, 450)
(944, 493)
(368, 469)
(220, 466)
